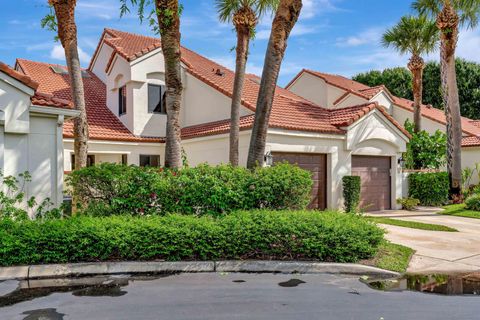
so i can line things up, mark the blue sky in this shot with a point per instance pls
(337, 36)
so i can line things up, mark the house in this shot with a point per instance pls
(125, 86)
(31, 134)
(334, 91)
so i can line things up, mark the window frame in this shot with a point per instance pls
(150, 156)
(162, 102)
(122, 100)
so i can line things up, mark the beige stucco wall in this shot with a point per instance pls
(470, 158)
(311, 88)
(384, 101)
(350, 100)
(103, 56)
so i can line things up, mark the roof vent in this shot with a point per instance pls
(219, 72)
(59, 70)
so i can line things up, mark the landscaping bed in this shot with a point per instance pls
(280, 235)
(391, 256)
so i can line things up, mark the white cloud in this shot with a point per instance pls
(312, 8)
(102, 9)
(229, 63)
(58, 53)
(469, 44)
(369, 36)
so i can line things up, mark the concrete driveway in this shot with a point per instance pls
(437, 251)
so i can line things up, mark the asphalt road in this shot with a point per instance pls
(239, 296)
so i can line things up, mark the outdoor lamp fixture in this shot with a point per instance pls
(401, 162)
(268, 159)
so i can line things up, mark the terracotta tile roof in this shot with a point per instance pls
(213, 128)
(102, 123)
(29, 82)
(471, 141)
(476, 123)
(468, 126)
(48, 100)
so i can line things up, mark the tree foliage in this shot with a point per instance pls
(398, 81)
(425, 151)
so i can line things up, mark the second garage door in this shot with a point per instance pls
(375, 181)
(315, 163)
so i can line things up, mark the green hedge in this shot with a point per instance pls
(430, 188)
(473, 202)
(351, 193)
(109, 189)
(284, 235)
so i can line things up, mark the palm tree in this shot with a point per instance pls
(450, 14)
(416, 36)
(165, 19)
(285, 18)
(168, 16)
(244, 14)
(64, 23)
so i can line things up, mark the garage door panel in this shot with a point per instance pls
(316, 164)
(374, 173)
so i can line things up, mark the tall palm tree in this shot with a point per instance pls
(450, 14)
(64, 23)
(244, 14)
(168, 16)
(416, 36)
(286, 17)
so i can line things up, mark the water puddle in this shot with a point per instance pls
(239, 281)
(468, 284)
(43, 314)
(291, 283)
(98, 286)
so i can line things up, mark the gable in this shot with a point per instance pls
(14, 104)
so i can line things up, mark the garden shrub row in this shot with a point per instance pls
(430, 188)
(259, 234)
(109, 189)
(351, 193)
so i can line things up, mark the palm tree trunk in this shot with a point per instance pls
(416, 66)
(170, 34)
(448, 24)
(243, 39)
(283, 23)
(67, 33)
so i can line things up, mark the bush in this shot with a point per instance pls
(473, 202)
(408, 203)
(109, 189)
(430, 188)
(284, 235)
(351, 193)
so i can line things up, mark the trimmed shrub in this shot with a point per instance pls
(430, 188)
(351, 193)
(109, 189)
(284, 235)
(473, 202)
(408, 203)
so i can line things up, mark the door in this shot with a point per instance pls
(317, 165)
(374, 173)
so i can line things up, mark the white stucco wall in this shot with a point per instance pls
(349, 101)
(384, 101)
(111, 151)
(401, 115)
(14, 104)
(101, 61)
(311, 88)
(470, 158)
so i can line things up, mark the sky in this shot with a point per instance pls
(334, 36)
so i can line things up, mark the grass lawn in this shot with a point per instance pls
(460, 211)
(391, 256)
(412, 224)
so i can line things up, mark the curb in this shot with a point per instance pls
(107, 268)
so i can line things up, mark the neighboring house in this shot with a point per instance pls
(334, 91)
(31, 134)
(125, 86)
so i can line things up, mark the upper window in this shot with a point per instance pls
(122, 100)
(156, 99)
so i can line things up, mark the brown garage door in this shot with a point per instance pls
(376, 184)
(315, 163)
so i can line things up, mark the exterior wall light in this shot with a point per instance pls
(401, 162)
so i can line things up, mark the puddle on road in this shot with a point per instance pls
(99, 286)
(468, 284)
(291, 283)
(43, 314)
